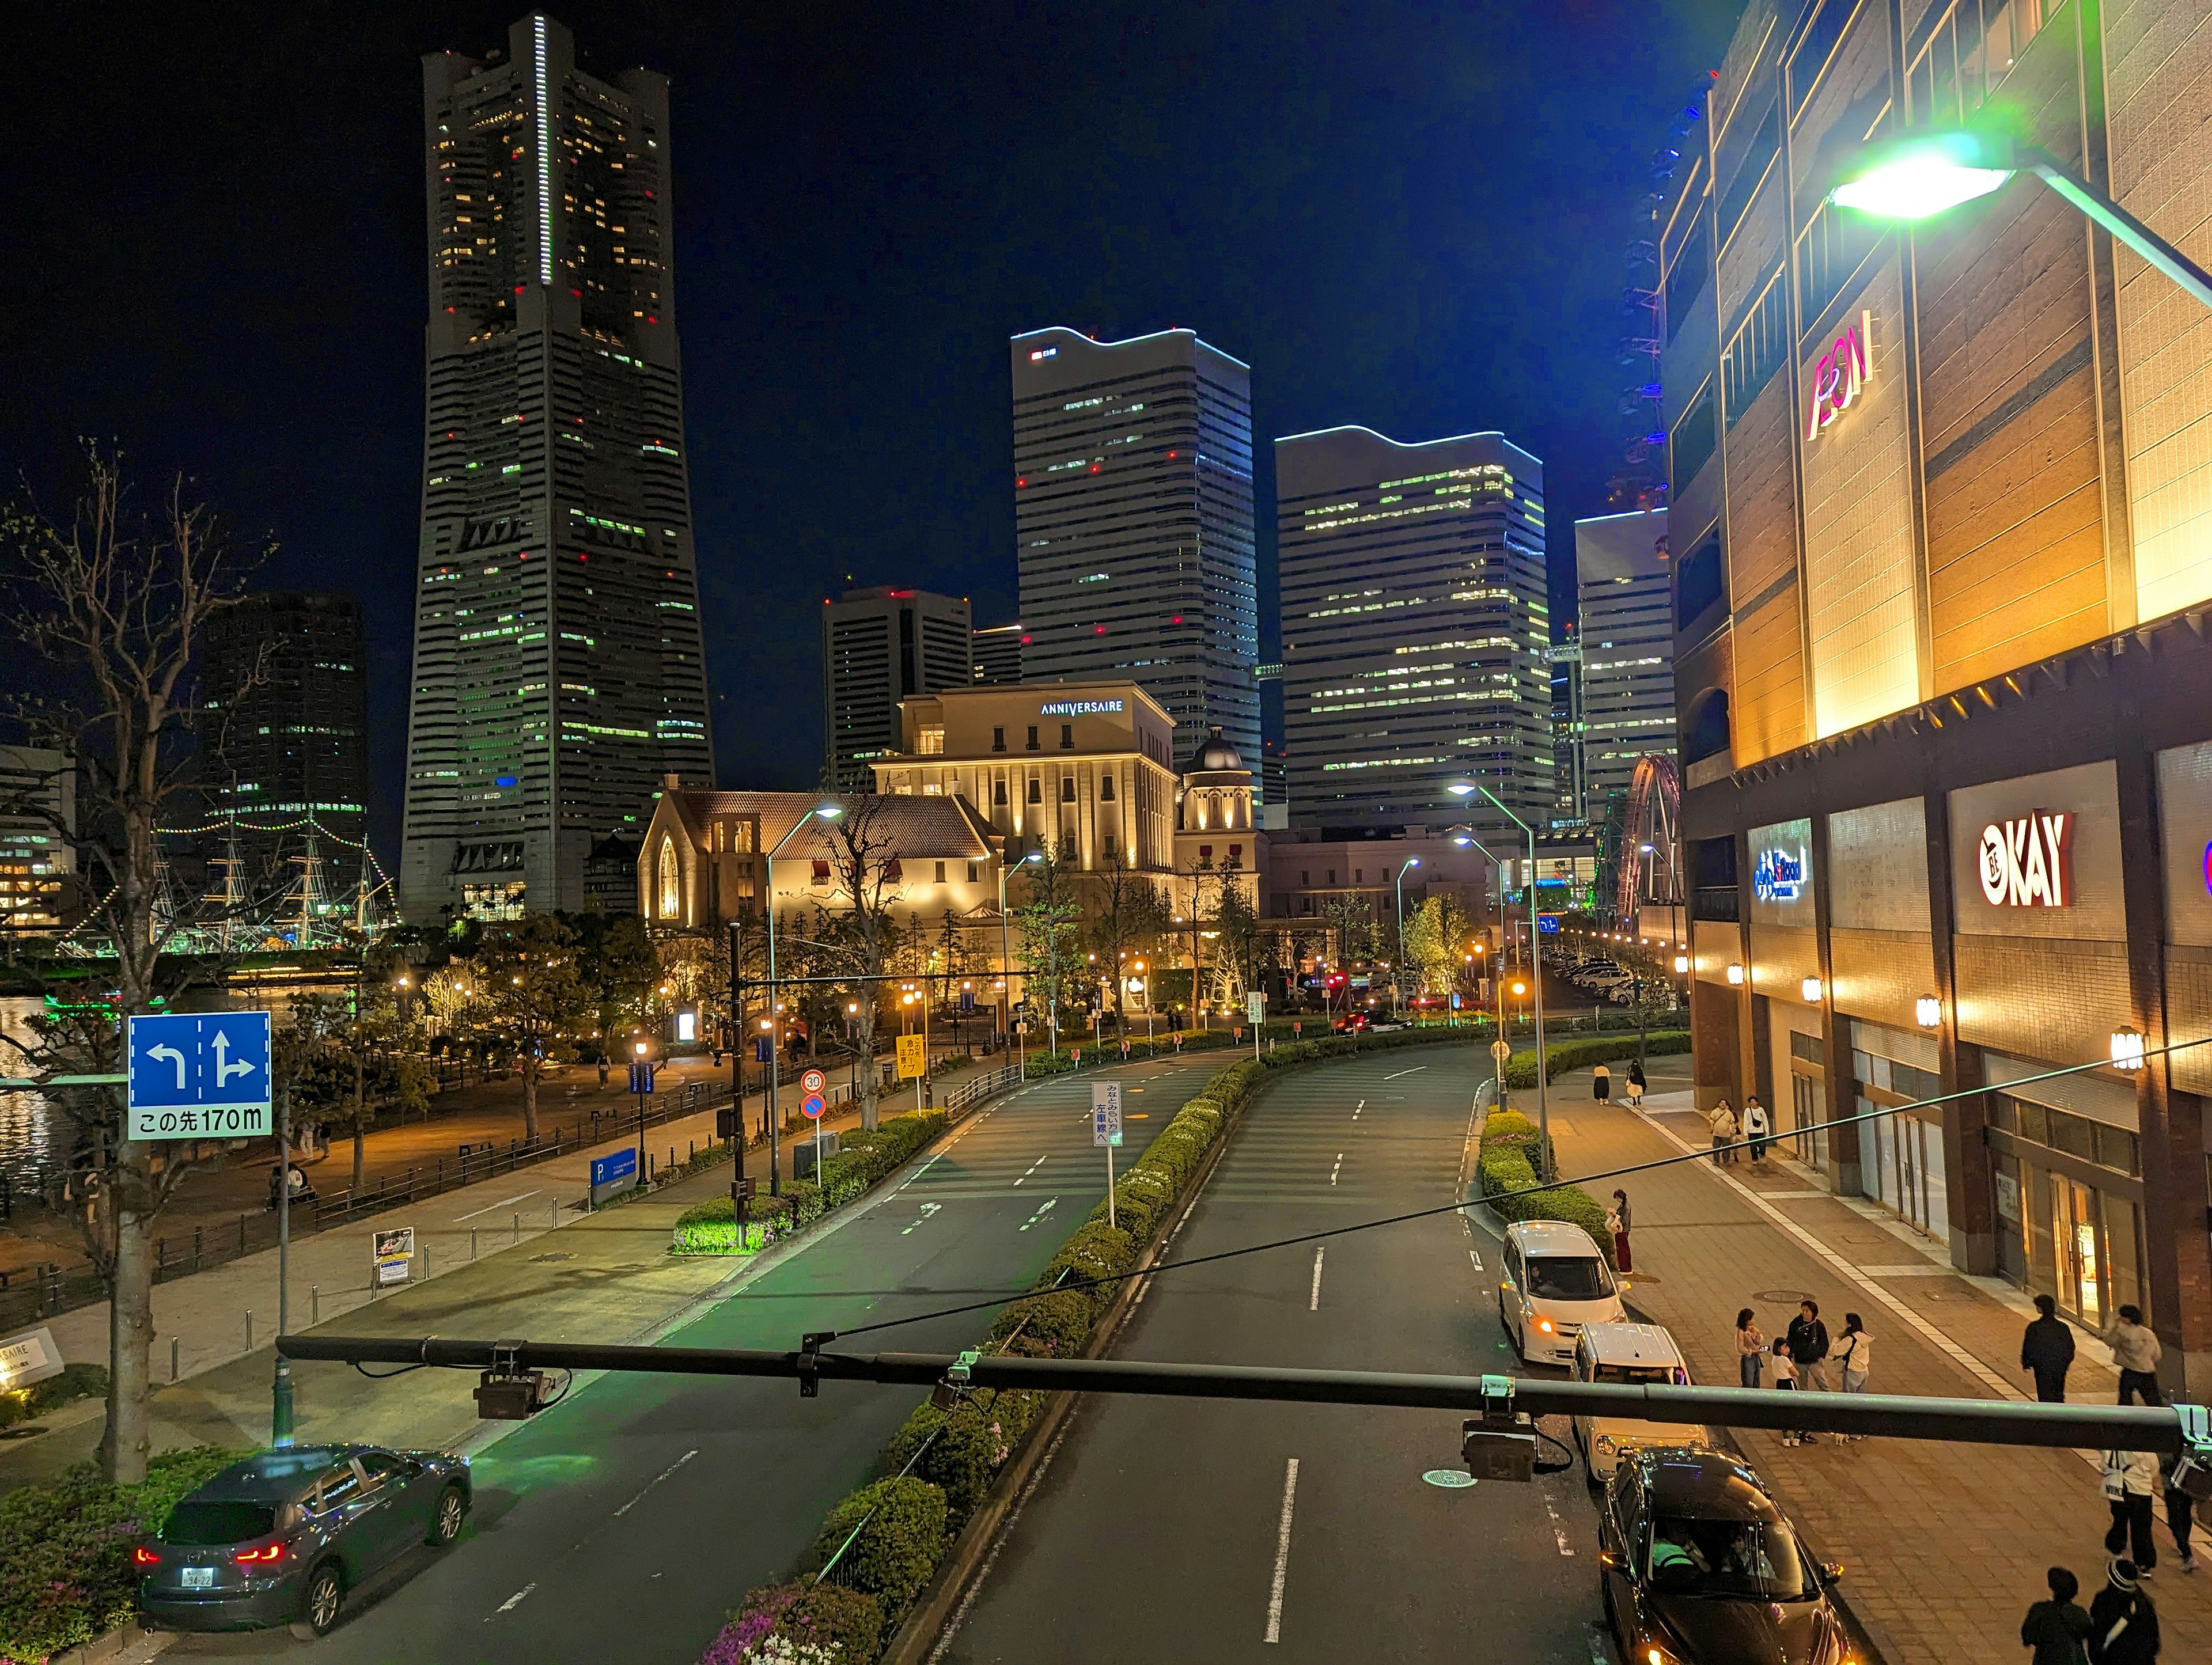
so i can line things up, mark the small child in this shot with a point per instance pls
(1785, 1377)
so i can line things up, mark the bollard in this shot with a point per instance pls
(314, 1303)
(517, 1225)
(249, 1329)
(472, 1243)
(422, 1258)
(552, 1214)
(172, 1358)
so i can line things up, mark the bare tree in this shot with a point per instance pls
(860, 938)
(1132, 918)
(116, 601)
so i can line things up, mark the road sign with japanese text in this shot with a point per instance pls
(913, 1056)
(199, 1075)
(1106, 1113)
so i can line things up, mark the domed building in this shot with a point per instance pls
(1214, 827)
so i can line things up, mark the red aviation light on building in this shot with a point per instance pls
(1094, 468)
(1098, 629)
(1021, 480)
(1025, 641)
(1172, 455)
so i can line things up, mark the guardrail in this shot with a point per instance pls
(969, 1094)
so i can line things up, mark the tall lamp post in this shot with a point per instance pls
(827, 813)
(1398, 977)
(1920, 173)
(1465, 788)
(736, 928)
(1464, 836)
(1006, 966)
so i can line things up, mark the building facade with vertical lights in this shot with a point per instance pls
(1942, 575)
(1623, 589)
(1416, 630)
(879, 646)
(558, 671)
(1134, 524)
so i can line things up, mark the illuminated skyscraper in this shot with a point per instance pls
(1415, 629)
(1627, 648)
(1132, 518)
(558, 673)
(879, 646)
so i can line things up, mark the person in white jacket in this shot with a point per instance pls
(1756, 1128)
(2130, 1481)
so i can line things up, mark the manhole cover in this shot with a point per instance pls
(1793, 1297)
(1449, 1478)
(536, 1260)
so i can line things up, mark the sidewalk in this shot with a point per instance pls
(1945, 1545)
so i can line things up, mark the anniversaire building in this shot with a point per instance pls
(1942, 521)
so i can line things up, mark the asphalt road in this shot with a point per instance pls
(624, 1524)
(1179, 1529)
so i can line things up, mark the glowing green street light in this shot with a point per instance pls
(1919, 175)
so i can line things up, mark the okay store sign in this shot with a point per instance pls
(2039, 856)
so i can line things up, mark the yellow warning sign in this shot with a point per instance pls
(913, 1056)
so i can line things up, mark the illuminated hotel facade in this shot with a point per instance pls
(1942, 572)
(1416, 629)
(1134, 527)
(558, 671)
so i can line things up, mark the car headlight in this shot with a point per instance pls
(1656, 1655)
(1545, 1325)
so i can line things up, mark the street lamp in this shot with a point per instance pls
(1928, 1010)
(1006, 964)
(1464, 788)
(2127, 1048)
(1398, 981)
(1918, 174)
(826, 812)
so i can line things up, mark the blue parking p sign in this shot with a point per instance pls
(199, 1075)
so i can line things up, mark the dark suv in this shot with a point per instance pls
(1699, 1568)
(281, 1538)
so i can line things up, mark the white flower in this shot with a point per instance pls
(782, 1651)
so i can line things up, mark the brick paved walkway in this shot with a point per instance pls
(1945, 1544)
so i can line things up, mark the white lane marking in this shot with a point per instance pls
(1313, 1305)
(1558, 1527)
(1476, 1257)
(1046, 1208)
(1339, 1163)
(927, 1209)
(1034, 1166)
(1282, 1552)
(515, 1599)
(1416, 1070)
(1006, 1531)
(491, 1208)
(648, 1487)
(932, 1161)
(1356, 1108)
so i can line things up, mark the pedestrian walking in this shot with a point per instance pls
(2056, 1629)
(1758, 1129)
(1785, 1377)
(1808, 1346)
(1721, 1119)
(2180, 1515)
(2046, 1351)
(1855, 1358)
(2122, 1624)
(2136, 1352)
(1601, 1085)
(1616, 1220)
(1750, 1349)
(2130, 1479)
(1636, 1085)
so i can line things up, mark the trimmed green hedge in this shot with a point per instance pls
(1561, 1056)
(65, 1571)
(710, 1227)
(902, 1536)
(1507, 1162)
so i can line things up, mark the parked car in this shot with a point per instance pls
(281, 1538)
(1553, 1282)
(1699, 1567)
(1630, 1354)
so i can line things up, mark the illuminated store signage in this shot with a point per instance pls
(1078, 708)
(2029, 862)
(1778, 875)
(1843, 370)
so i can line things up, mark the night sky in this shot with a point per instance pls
(1409, 216)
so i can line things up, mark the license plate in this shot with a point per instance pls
(199, 1578)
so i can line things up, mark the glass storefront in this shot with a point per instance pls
(2069, 1207)
(1808, 1099)
(1901, 1156)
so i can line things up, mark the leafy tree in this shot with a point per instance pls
(536, 1003)
(1050, 926)
(1437, 938)
(619, 966)
(1351, 920)
(1238, 941)
(859, 937)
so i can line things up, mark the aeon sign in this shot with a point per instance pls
(1841, 372)
(1778, 875)
(2028, 862)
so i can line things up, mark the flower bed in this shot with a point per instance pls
(65, 1571)
(710, 1227)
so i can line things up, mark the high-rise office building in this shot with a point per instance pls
(558, 673)
(38, 821)
(996, 654)
(1132, 518)
(287, 690)
(1569, 779)
(1415, 629)
(879, 646)
(1627, 647)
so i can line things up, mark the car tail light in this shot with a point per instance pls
(266, 1555)
(145, 1557)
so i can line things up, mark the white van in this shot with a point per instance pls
(1632, 1354)
(1555, 1281)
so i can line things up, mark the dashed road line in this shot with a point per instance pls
(1282, 1552)
(1313, 1305)
(633, 1502)
(927, 1209)
(515, 1599)
(1045, 1209)
(1339, 1163)
(1416, 1070)
(1558, 1527)
(1034, 1166)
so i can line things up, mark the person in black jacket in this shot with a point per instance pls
(2122, 1624)
(2046, 1351)
(1809, 1345)
(2057, 1628)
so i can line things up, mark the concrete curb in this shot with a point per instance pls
(127, 1644)
(949, 1589)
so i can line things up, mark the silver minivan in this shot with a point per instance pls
(1555, 1281)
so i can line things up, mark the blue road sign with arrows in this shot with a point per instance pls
(199, 1075)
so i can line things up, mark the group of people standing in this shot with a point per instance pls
(1801, 1354)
